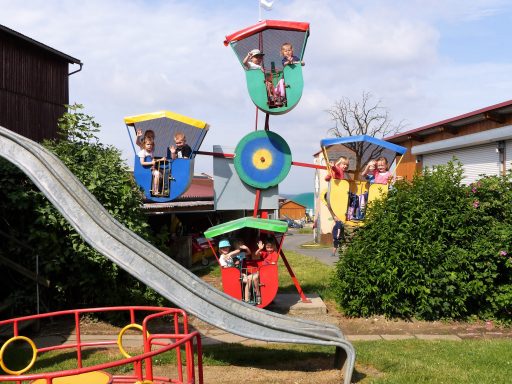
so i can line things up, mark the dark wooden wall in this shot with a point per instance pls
(33, 88)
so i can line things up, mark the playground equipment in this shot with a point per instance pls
(156, 269)
(175, 338)
(268, 36)
(175, 174)
(347, 199)
(250, 230)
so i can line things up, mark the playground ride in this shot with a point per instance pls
(234, 279)
(268, 36)
(176, 339)
(156, 269)
(348, 199)
(175, 174)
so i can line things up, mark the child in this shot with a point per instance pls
(338, 169)
(269, 256)
(182, 150)
(253, 60)
(381, 174)
(337, 235)
(276, 95)
(227, 257)
(368, 171)
(149, 134)
(288, 56)
(155, 172)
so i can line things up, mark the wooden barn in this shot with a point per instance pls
(293, 210)
(34, 85)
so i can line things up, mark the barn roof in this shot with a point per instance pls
(38, 44)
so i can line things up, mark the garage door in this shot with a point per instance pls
(478, 160)
(508, 154)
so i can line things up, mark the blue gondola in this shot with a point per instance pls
(175, 174)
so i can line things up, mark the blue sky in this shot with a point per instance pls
(425, 60)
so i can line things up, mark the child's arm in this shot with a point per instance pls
(145, 163)
(172, 149)
(246, 250)
(364, 172)
(138, 139)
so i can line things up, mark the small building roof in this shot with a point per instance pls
(496, 112)
(45, 47)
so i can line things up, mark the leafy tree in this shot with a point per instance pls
(434, 249)
(361, 117)
(79, 275)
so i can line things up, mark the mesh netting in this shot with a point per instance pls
(165, 129)
(269, 42)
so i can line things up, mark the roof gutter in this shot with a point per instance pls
(78, 70)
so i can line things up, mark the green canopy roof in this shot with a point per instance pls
(247, 222)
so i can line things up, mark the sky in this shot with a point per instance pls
(424, 60)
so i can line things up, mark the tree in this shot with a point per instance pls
(363, 117)
(79, 275)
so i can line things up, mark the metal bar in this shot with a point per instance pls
(291, 273)
(307, 165)
(216, 154)
(256, 203)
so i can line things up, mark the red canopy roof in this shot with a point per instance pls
(267, 24)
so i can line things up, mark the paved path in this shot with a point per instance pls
(294, 240)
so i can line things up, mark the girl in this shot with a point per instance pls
(382, 174)
(288, 56)
(149, 134)
(143, 154)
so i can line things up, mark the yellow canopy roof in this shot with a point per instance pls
(131, 120)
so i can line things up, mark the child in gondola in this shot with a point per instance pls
(143, 154)
(227, 256)
(368, 171)
(338, 169)
(181, 150)
(381, 174)
(269, 256)
(253, 60)
(288, 56)
(149, 134)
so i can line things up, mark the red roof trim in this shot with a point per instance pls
(266, 24)
(451, 120)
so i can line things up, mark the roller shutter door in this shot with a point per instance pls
(508, 154)
(478, 160)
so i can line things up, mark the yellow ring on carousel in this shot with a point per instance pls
(120, 338)
(262, 159)
(144, 382)
(4, 347)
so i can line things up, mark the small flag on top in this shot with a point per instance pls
(266, 4)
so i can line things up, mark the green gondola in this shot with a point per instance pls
(268, 37)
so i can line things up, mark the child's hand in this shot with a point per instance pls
(138, 133)
(260, 245)
(172, 148)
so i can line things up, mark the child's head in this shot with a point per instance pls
(287, 49)
(149, 134)
(180, 139)
(148, 144)
(256, 56)
(224, 246)
(382, 164)
(343, 163)
(269, 246)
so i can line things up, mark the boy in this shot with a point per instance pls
(181, 150)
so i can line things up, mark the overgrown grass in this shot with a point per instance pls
(313, 275)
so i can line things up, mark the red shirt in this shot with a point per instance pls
(269, 257)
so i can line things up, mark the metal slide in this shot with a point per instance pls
(154, 268)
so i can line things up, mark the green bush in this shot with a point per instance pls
(79, 275)
(434, 249)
